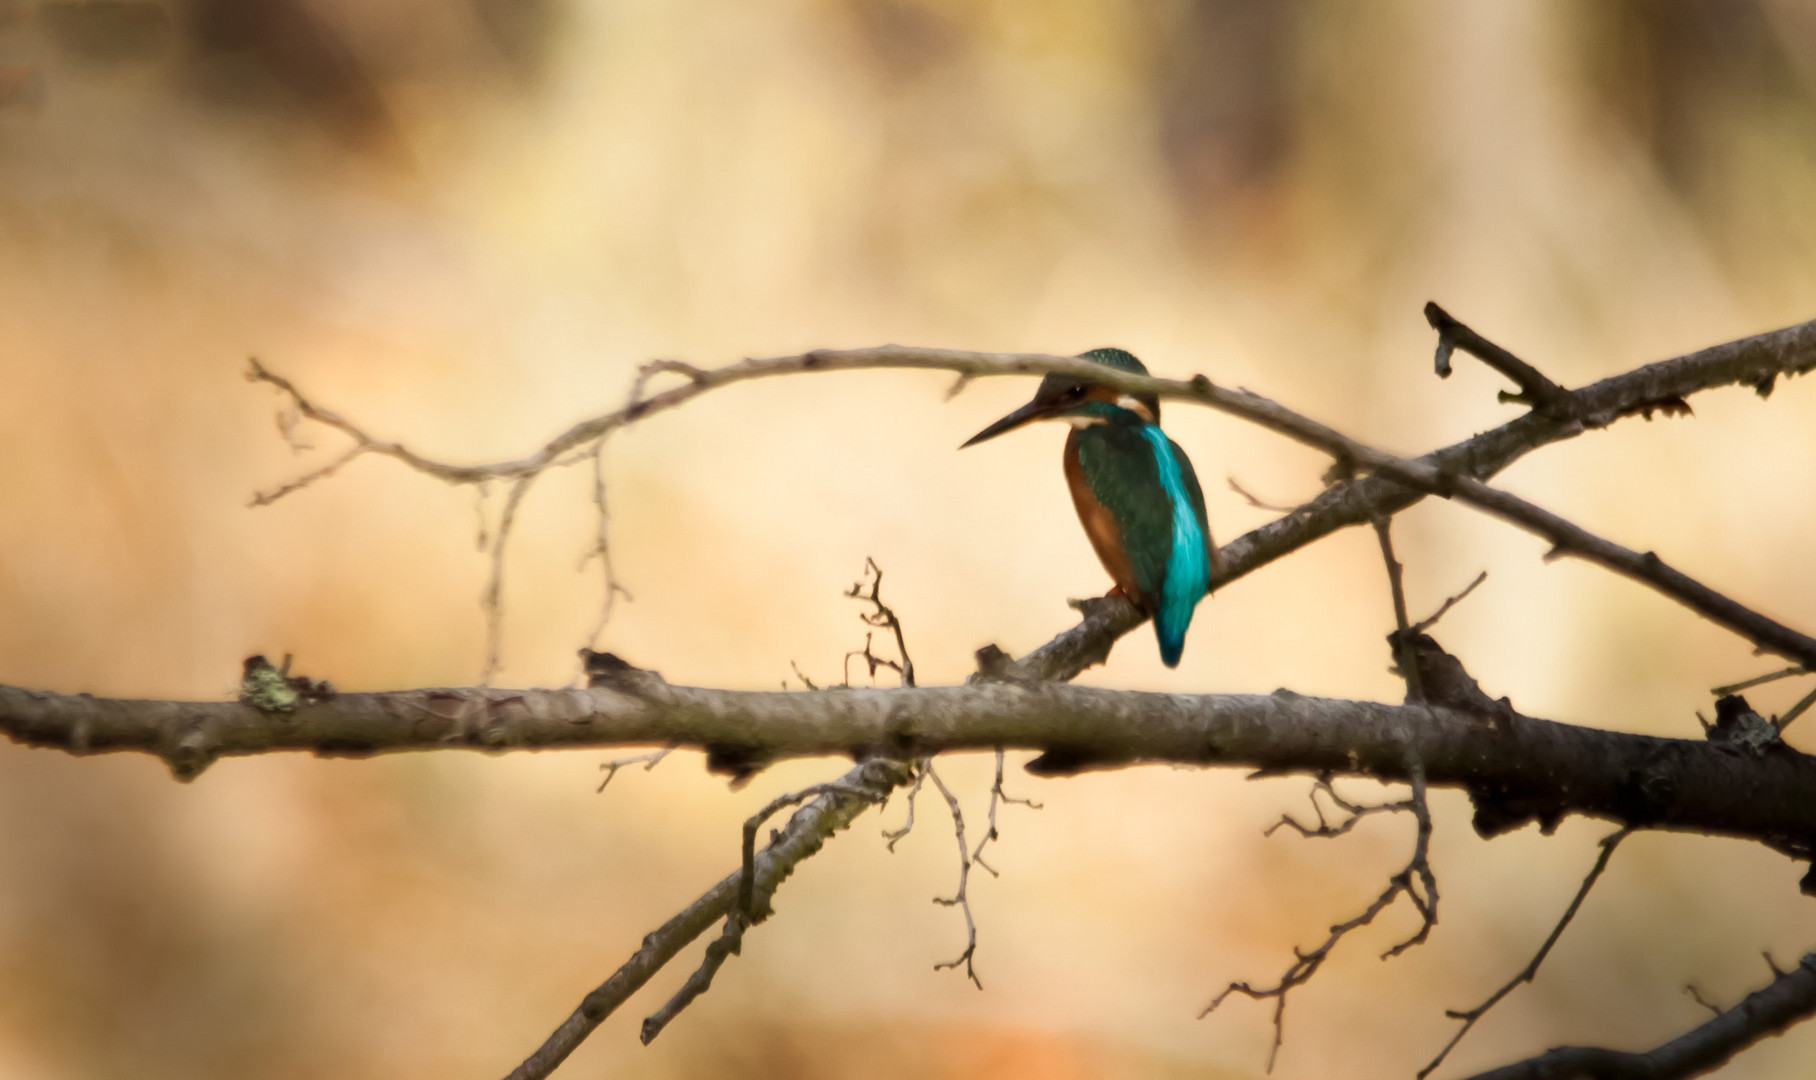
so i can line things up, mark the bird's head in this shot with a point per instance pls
(1079, 401)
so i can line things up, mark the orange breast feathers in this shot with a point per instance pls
(1101, 527)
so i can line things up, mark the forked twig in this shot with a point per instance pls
(882, 617)
(1354, 813)
(998, 797)
(1413, 878)
(648, 761)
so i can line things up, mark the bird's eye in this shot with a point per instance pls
(1076, 392)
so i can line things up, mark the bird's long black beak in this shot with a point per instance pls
(1033, 410)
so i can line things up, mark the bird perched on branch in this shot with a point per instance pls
(1135, 491)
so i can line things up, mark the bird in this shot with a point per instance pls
(1135, 491)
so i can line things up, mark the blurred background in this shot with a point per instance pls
(463, 223)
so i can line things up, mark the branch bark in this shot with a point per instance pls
(806, 831)
(1788, 999)
(1517, 768)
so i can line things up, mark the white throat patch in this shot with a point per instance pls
(1137, 407)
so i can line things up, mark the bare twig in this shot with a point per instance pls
(960, 899)
(1444, 609)
(997, 797)
(1535, 389)
(801, 675)
(266, 498)
(1255, 502)
(882, 617)
(920, 777)
(728, 944)
(1796, 710)
(1353, 813)
(491, 600)
(1401, 638)
(1470, 1016)
(1696, 996)
(648, 761)
(1790, 997)
(1759, 680)
(602, 545)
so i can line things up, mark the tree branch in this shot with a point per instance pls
(1530, 971)
(1757, 361)
(1521, 768)
(1790, 998)
(1535, 389)
(804, 834)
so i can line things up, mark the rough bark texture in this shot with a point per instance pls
(1518, 768)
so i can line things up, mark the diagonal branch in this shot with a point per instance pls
(1757, 361)
(804, 834)
(1788, 999)
(1530, 971)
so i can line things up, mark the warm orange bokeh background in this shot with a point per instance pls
(465, 223)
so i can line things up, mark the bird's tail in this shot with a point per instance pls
(1171, 632)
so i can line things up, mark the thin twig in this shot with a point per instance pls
(1470, 1016)
(1796, 710)
(491, 600)
(920, 777)
(1444, 609)
(998, 797)
(1696, 996)
(801, 675)
(1759, 680)
(1402, 637)
(648, 761)
(1255, 502)
(960, 899)
(883, 617)
(1353, 813)
(266, 498)
(602, 546)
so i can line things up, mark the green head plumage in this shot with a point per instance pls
(1061, 394)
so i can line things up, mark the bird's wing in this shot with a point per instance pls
(1118, 465)
(1196, 495)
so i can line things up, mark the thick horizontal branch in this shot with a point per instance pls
(1790, 998)
(1516, 767)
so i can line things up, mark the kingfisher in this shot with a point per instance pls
(1135, 492)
